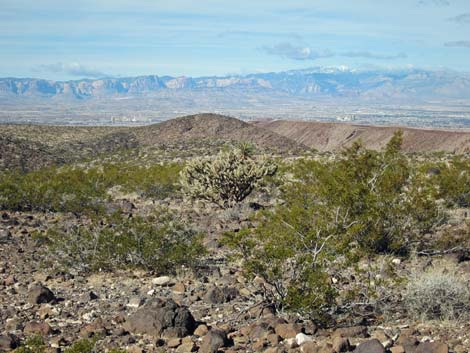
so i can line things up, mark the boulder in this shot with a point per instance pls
(301, 338)
(287, 330)
(161, 281)
(220, 295)
(39, 294)
(353, 331)
(37, 328)
(371, 346)
(432, 347)
(213, 341)
(161, 318)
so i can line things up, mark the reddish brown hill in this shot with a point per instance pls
(335, 136)
(213, 126)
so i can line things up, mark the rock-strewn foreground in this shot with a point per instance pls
(214, 309)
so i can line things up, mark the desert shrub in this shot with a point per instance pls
(453, 180)
(33, 344)
(159, 242)
(53, 189)
(378, 199)
(83, 345)
(82, 190)
(226, 179)
(334, 212)
(155, 181)
(437, 294)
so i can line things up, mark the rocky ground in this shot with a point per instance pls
(214, 309)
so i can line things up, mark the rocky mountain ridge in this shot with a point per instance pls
(310, 83)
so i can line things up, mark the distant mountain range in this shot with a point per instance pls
(409, 85)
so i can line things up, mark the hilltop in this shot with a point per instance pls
(336, 136)
(33, 146)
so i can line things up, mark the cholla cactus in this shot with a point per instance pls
(226, 179)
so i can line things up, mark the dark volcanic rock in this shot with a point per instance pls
(161, 318)
(217, 295)
(39, 294)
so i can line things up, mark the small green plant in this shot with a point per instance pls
(226, 179)
(437, 294)
(159, 242)
(83, 345)
(34, 344)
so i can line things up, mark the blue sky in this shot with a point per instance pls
(64, 40)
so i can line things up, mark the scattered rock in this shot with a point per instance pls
(161, 318)
(371, 346)
(301, 338)
(287, 330)
(217, 295)
(135, 302)
(341, 344)
(8, 342)
(397, 349)
(174, 342)
(201, 330)
(432, 347)
(39, 294)
(353, 331)
(37, 328)
(213, 341)
(161, 281)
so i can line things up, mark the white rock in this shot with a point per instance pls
(396, 261)
(161, 281)
(301, 338)
(151, 292)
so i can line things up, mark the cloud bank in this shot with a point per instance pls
(458, 44)
(71, 69)
(434, 3)
(300, 53)
(461, 19)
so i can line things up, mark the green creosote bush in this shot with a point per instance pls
(80, 190)
(33, 344)
(227, 178)
(335, 212)
(453, 179)
(437, 295)
(83, 345)
(159, 242)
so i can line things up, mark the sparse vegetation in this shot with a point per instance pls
(33, 344)
(159, 242)
(82, 190)
(437, 294)
(226, 179)
(363, 203)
